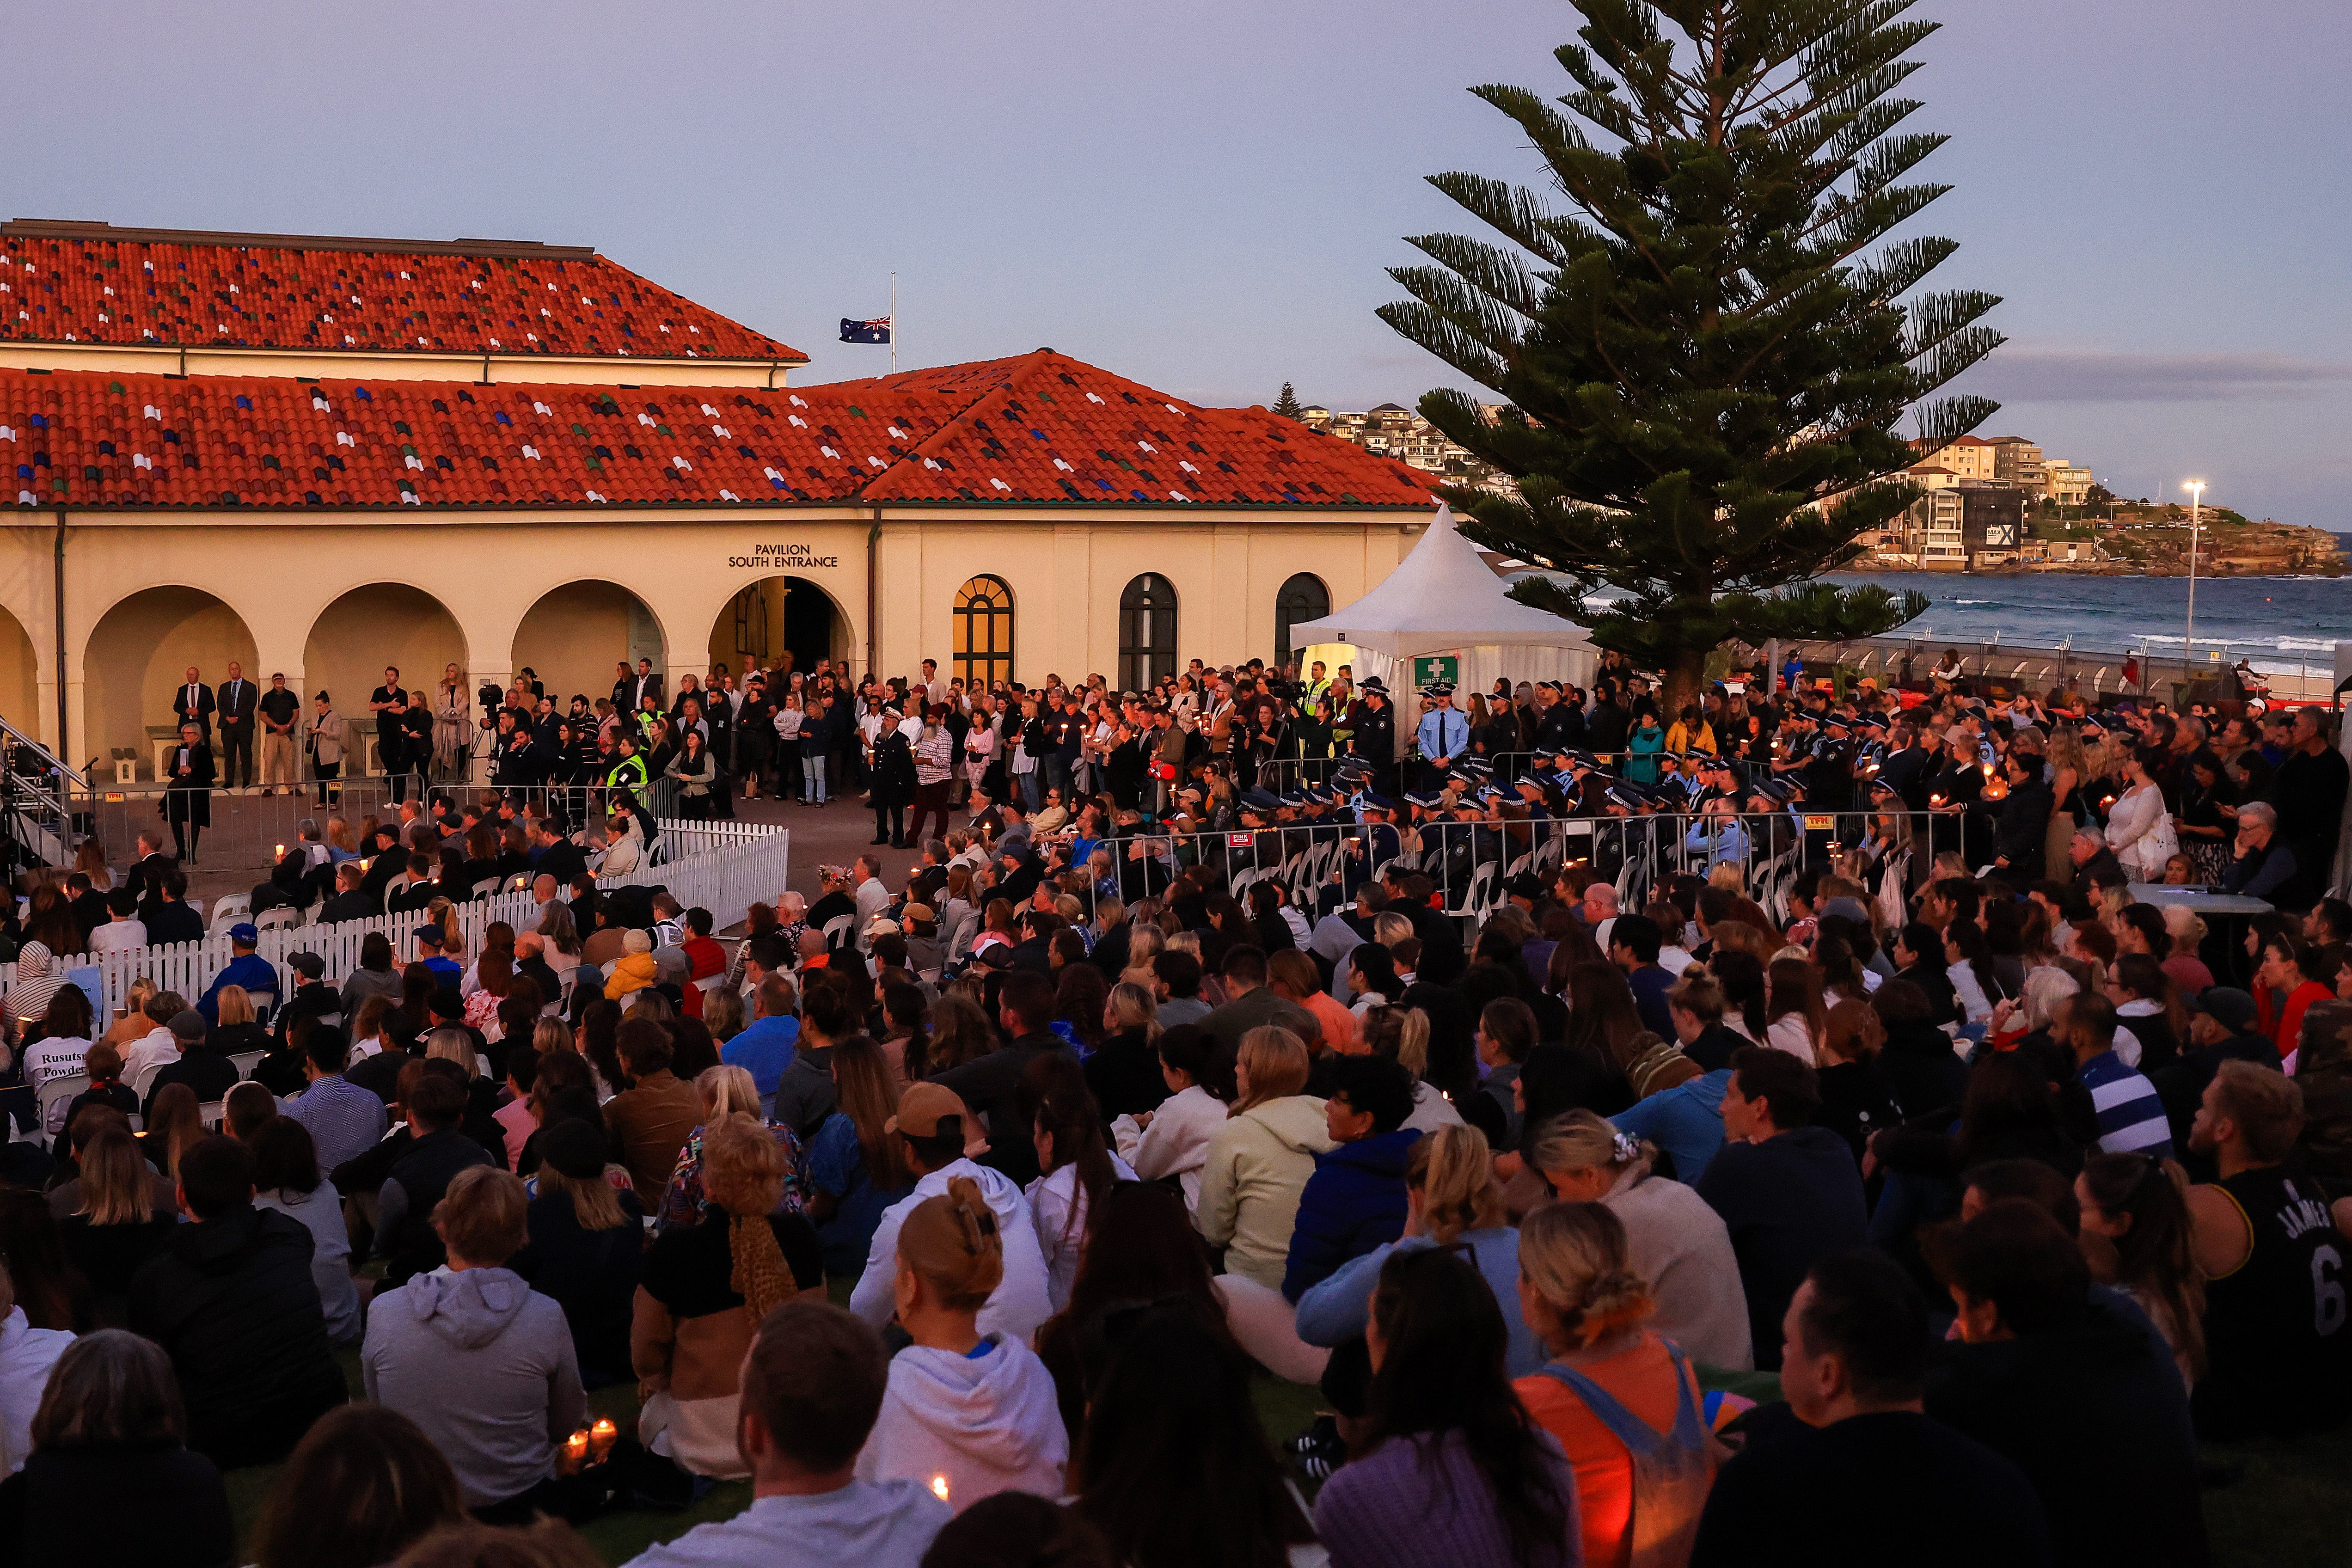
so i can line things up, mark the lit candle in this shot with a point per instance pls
(939, 1488)
(601, 1437)
(281, 852)
(575, 1451)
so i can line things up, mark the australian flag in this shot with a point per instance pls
(877, 331)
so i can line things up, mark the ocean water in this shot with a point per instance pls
(2273, 622)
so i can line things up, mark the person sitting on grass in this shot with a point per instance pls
(812, 1386)
(477, 1359)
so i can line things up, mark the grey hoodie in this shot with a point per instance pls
(989, 1423)
(485, 1365)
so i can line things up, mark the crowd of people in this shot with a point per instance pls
(960, 1213)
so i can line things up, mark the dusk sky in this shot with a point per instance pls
(1203, 196)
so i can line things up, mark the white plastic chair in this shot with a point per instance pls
(142, 1080)
(247, 1061)
(212, 1114)
(228, 909)
(279, 918)
(58, 1091)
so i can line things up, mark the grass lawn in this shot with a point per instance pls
(2289, 1507)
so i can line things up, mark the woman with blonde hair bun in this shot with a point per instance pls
(1614, 1387)
(1679, 1244)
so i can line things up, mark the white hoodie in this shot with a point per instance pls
(26, 1355)
(1020, 1301)
(988, 1423)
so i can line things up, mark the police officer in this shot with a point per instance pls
(1375, 734)
(1443, 734)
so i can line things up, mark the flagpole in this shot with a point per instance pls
(893, 323)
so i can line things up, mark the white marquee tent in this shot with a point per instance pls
(1445, 599)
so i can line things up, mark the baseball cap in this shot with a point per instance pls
(879, 924)
(2226, 1005)
(307, 962)
(925, 1106)
(917, 912)
(244, 932)
(187, 1024)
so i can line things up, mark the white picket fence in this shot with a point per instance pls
(723, 867)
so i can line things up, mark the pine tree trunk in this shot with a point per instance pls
(1686, 680)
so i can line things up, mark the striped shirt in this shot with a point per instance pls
(2131, 1118)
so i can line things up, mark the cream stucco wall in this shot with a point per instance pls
(332, 597)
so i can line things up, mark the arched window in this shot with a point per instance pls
(983, 633)
(1146, 631)
(1303, 598)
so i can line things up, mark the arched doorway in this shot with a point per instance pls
(1303, 597)
(380, 624)
(575, 636)
(1146, 631)
(137, 656)
(20, 676)
(983, 650)
(780, 623)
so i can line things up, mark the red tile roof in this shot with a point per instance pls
(1041, 428)
(1046, 427)
(77, 283)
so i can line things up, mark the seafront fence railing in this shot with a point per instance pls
(2162, 673)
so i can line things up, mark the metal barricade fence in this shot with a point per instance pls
(248, 827)
(1472, 865)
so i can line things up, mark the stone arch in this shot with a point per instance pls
(20, 676)
(137, 656)
(370, 627)
(574, 634)
(775, 617)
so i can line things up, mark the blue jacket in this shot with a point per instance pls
(1337, 1310)
(1686, 1121)
(1353, 1203)
(764, 1049)
(250, 970)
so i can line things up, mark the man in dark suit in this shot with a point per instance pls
(192, 703)
(146, 879)
(236, 704)
(644, 684)
(348, 904)
(172, 921)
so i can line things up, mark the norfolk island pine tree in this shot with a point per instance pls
(1703, 373)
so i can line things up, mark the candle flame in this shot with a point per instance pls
(939, 1488)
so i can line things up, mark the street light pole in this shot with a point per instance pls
(2196, 488)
